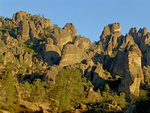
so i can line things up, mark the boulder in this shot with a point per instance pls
(83, 43)
(71, 54)
(51, 52)
(71, 29)
(61, 37)
(50, 75)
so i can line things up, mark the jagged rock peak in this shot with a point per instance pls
(71, 29)
(110, 29)
(143, 31)
(115, 27)
(133, 30)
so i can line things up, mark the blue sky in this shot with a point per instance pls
(88, 16)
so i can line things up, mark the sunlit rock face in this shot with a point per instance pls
(71, 54)
(111, 37)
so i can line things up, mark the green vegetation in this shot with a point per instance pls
(9, 87)
(68, 88)
(36, 90)
(109, 102)
(143, 102)
(28, 48)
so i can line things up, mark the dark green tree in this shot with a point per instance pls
(9, 87)
(68, 88)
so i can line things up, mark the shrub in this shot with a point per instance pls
(36, 90)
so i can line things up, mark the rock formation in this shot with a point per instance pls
(83, 43)
(33, 53)
(71, 54)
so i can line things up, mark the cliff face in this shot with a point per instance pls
(31, 47)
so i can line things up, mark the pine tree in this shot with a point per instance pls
(9, 87)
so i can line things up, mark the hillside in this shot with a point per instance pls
(45, 68)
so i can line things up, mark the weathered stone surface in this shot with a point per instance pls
(115, 27)
(61, 37)
(30, 106)
(8, 57)
(51, 52)
(132, 78)
(101, 72)
(83, 43)
(111, 38)
(71, 29)
(21, 15)
(50, 75)
(71, 54)
(97, 75)
(146, 73)
(23, 31)
(26, 59)
(125, 64)
(10, 41)
(92, 95)
(112, 106)
(145, 48)
(32, 29)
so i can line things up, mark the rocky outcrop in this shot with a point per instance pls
(50, 75)
(131, 55)
(97, 75)
(61, 37)
(26, 59)
(83, 43)
(146, 73)
(51, 52)
(71, 29)
(71, 54)
(23, 31)
(133, 77)
(125, 64)
(111, 38)
(21, 15)
(31, 27)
